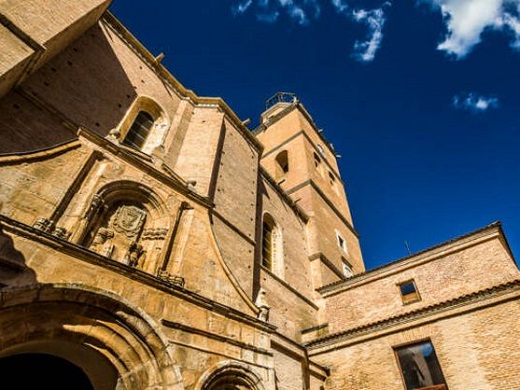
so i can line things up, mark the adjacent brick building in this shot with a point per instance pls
(150, 240)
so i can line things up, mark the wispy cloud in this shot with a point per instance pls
(340, 5)
(466, 20)
(474, 103)
(300, 11)
(303, 12)
(375, 20)
(240, 8)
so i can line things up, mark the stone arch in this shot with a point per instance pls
(159, 128)
(117, 346)
(128, 222)
(229, 375)
(282, 164)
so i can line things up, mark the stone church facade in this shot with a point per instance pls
(150, 240)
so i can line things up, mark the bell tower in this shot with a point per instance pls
(305, 166)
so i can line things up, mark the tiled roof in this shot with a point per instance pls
(395, 320)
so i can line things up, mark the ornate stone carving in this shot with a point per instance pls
(95, 205)
(102, 242)
(128, 220)
(154, 234)
(171, 279)
(61, 232)
(43, 224)
(262, 304)
(134, 254)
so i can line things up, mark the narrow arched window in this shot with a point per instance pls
(282, 164)
(138, 132)
(268, 242)
(272, 246)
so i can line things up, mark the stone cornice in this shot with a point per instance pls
(40, 154)
(145, 163)
(81, 253)
(218, 337)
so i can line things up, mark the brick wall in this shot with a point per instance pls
(477, 350)
(471, 264)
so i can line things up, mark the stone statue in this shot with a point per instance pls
(135, 251)
(262, 304)
(102, 242)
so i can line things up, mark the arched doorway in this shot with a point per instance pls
(42, 371)
(95, 340)
(230, 375)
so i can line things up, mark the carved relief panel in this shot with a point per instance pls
(119, 235)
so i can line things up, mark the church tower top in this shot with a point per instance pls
(305, 165)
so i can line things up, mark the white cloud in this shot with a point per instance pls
(340, 5)
(466, 20)
(300, 11)
(474, 103)
(303, 12)
(240, 8)
(374, 20)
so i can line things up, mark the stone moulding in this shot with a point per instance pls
(79, 252)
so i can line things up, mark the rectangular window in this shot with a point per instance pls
(420, 368)
(409, 291)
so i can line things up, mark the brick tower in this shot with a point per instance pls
(305, 165)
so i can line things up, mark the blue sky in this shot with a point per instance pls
(419, 97)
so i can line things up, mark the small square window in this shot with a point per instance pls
(409, 292)
(420, 367)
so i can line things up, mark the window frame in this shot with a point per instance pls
(411, 297)
(417, 343)
(135, 133)
(159, 131)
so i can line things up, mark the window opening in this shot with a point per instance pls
(317, 160)
(332, 179)
(267, 242)
(282, 162)
(272, 246)
(409, 291)
(138, 132)
(341, 242)
(420, 367)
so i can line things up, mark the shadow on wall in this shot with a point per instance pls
(85, 85)
(12, 263)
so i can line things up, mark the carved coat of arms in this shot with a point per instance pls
(128, 220)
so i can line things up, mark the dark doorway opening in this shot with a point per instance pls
(41, 371)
